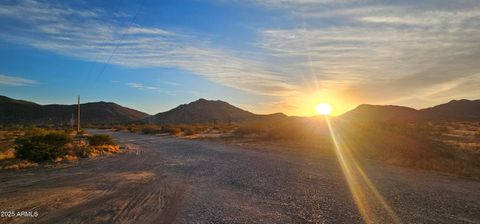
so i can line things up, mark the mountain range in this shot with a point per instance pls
(455, 110)
(14, 111)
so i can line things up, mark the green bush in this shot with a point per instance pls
(98, 140)
(41, 147)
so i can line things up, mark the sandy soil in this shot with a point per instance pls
(124, 188)
(171, 180)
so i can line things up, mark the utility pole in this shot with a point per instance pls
(72, 120)
(78, 116)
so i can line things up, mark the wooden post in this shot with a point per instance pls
(78, 116)
(72, 120)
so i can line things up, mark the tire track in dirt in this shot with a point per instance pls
(124, 188)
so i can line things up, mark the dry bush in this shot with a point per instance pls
(96, 151)
(151, 129)
(189, 131)
(7, 154)
(98, 140)
(170, 129)
(193, 129)
(14, 164)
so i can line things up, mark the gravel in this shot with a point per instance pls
(210, 182)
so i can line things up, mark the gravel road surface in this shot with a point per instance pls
(170, 180)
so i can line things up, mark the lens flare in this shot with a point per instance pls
(361, 188)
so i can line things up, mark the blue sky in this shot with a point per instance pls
(262, 55)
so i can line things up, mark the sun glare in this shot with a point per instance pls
(324, 109)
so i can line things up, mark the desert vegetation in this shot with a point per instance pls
(25, 147)
(460, 135)
(42, 146)
(417, 145)
(179, 130)
(447, 147)
(301, 131)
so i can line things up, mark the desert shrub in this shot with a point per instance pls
(189, 131)
(96, 151)
(281, 131)
(7, 154)
(14, 164)
(122, 128)
(34, 131)
(222, 127)
(170, 130)
(98, 140)
(192, 129)
(150, 130)
(41, 147)
(131, 129)
(250, 130)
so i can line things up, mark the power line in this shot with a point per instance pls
(121, 39)
(116, 9)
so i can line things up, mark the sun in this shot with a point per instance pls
(324, 108)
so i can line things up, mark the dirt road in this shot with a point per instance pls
(171, 180)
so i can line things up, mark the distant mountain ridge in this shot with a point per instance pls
(455, 110)
(14, 111)
(383, 113)
(207, 111)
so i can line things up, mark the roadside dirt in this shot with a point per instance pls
(125, 188)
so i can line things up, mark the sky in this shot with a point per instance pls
(264, 56)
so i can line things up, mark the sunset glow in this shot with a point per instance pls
(324, 109)
(402, 53)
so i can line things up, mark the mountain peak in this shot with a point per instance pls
(202, 111)
(201, 100)
(208, 111)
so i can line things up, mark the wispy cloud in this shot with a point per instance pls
(303, 3)
(84, 34)
(373, 52)
(171, 83)
(15, 81)
(381, 53)
(141, 86)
